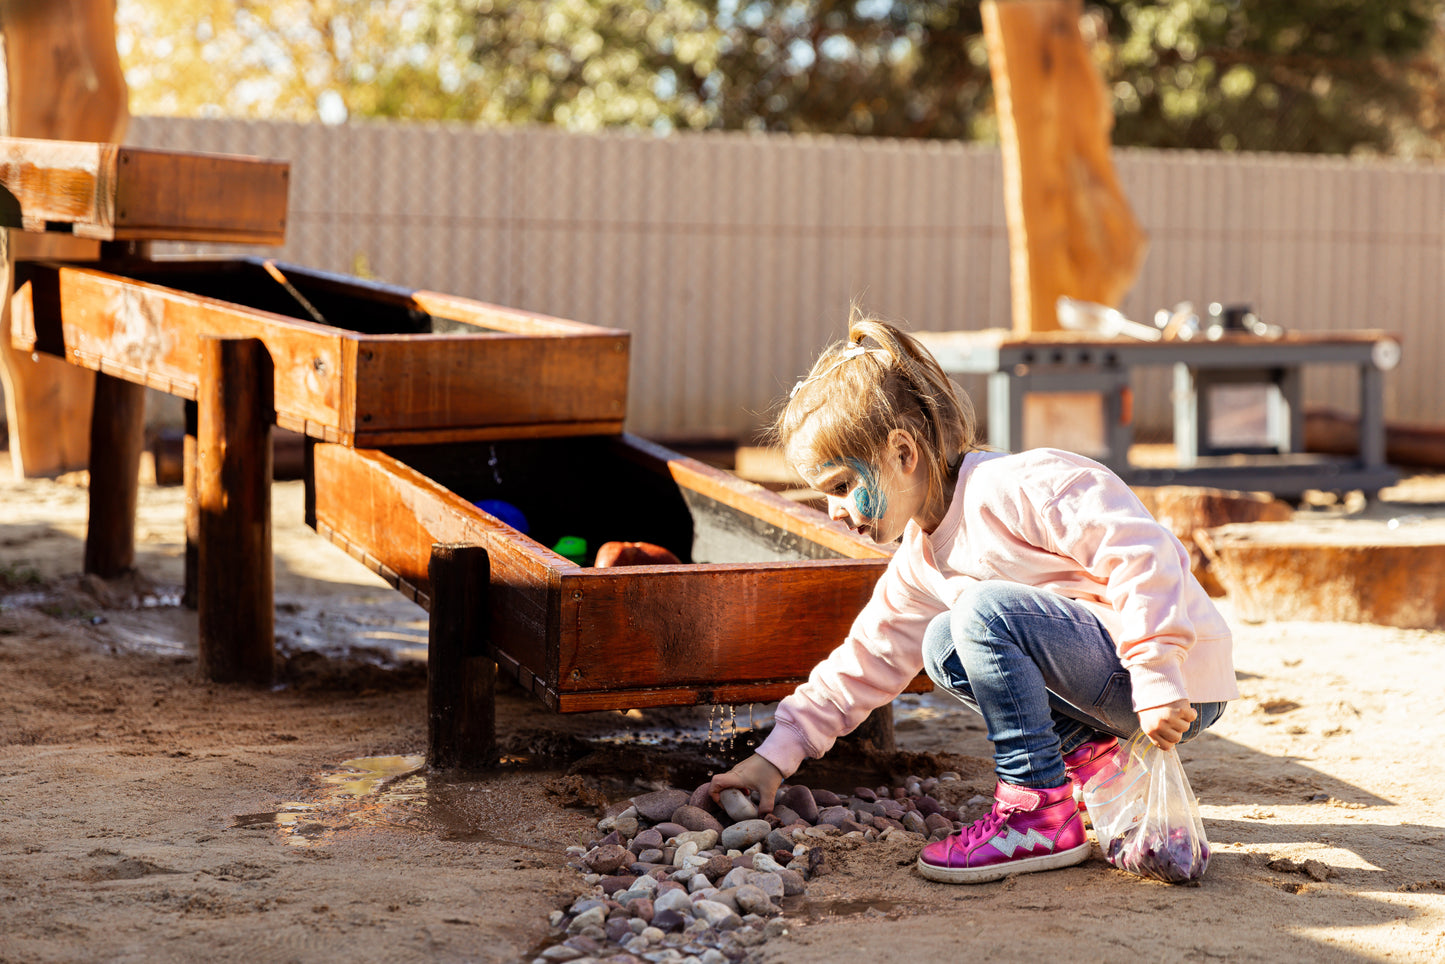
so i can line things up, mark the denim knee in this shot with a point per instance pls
(981, 603)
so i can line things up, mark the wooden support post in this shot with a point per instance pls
(193, 507)
(461, 679)
(117, 435)
(235, 578)
(877, 729)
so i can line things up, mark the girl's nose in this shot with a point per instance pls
(837, 509)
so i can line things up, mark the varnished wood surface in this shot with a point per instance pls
(461, 678)
(367, 387)
(113, 193)
(583, 638)
(117, 435)
(235, 575)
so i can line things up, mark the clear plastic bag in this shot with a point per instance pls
(1146, 817)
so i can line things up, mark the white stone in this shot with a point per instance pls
(677, 900)
(704, 839)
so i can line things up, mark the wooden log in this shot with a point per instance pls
(461, 676)
(62, 80)
(877, 729)
(1071, 231)
(1338, 433)
(117, 436)
(235, 577)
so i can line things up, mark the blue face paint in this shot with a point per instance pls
(868, 496)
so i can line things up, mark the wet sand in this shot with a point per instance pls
(148, 816)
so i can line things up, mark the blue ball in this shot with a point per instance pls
(506, 512)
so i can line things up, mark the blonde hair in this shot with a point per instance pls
(857, 393)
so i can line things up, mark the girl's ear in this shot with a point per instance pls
(903, 448)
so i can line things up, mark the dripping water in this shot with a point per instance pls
(492, 461)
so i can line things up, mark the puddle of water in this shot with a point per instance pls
(804, 908)
(395, 793)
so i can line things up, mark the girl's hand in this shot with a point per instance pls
(1165, 725)
(754, 773)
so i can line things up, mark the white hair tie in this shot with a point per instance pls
(852, 351)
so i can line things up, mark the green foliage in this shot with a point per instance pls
(1325, 76)
(1318, 75)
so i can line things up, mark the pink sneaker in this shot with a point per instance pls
(1027, 830)
(1091, 758)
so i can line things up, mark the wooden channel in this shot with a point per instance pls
(765, 588)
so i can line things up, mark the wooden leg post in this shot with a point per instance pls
(235, 577)
(461, 680)
(193, 508)
(877, 729)
(117, 436)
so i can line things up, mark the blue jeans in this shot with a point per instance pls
(1043, 672)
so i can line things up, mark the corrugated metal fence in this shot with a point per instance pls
(733, 258)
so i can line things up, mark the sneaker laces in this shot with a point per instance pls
(984, 827)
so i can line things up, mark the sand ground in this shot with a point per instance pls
(146, 815)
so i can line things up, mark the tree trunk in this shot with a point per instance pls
(1070, 228)
(62, 82)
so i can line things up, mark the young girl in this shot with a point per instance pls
(1034, 587)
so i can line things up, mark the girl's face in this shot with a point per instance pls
(874, 498)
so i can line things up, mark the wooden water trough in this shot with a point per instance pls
(764, 588)
(355, 362)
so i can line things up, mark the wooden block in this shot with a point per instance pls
(1356, 572)
(1189, 511)
(114, 193)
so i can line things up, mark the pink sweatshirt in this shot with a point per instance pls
(1043, 518)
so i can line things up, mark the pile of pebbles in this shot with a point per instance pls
(679, 878)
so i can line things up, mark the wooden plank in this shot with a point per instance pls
(44, 46)
(729, 694)
(151, 335)
(114, 193)
(47, 402)
(481, 433)
(235, 576)
(424, 381)
(661, 626)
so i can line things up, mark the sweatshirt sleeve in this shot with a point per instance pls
(1096, 521)
(880, 657)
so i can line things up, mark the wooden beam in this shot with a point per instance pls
(1071, 231)
(113, 193)
(235, 576)
(461, 676)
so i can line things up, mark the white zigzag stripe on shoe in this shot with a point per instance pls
(1007, 843)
